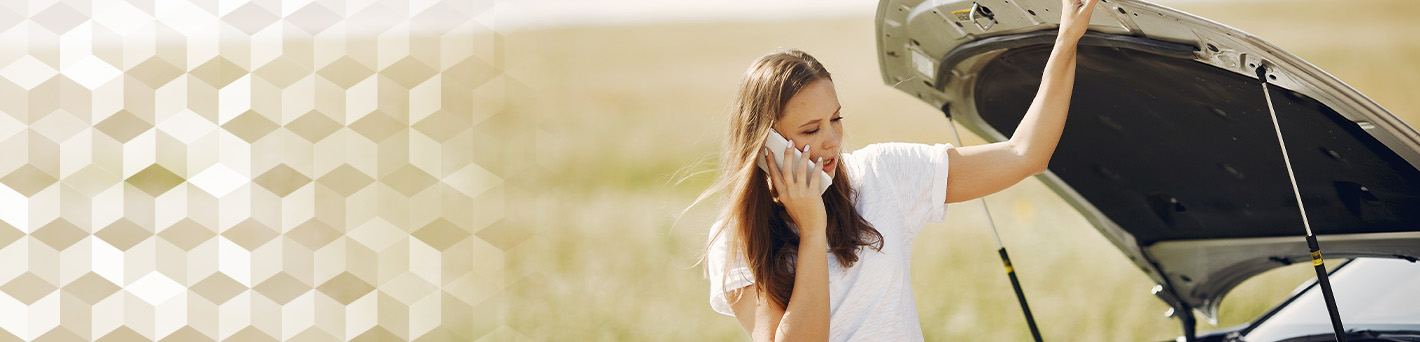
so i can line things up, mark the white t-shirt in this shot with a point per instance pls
(901, 187)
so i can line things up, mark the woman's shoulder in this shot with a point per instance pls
(719, 238)
(894, 148)
(716, 228)
(871, 157)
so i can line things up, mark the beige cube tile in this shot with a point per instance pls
(345, 95)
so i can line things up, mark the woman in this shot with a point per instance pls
(764, 258)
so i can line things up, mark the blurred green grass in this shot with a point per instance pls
(620, 113)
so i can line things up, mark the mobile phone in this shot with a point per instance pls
(776, 144)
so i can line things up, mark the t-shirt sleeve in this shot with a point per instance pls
(721, 280)
(912, 176)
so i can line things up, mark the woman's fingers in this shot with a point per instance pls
(789, 165)
(1079, 7)
(776, 178)
(814, 181)
(794, 176)
(806, 164)
(1075, 17)
(1087, 6)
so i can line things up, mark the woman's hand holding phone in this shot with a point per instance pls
(776, 143)
(797, 185)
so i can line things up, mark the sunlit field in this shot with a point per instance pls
(621, 114)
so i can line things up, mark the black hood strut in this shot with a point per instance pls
(1317, 263)
(1000, 248)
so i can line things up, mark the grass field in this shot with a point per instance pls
(619, 111)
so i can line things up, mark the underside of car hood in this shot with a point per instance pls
(1169, 150)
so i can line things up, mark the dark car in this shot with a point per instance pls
(1173, 155)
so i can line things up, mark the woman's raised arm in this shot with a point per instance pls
(981, 170)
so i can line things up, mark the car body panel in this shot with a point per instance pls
(1371, 294)
(1170, 151)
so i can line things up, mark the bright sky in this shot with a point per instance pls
(519, 14)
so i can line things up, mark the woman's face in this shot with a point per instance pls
(811, 118)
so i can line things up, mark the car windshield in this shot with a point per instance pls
(1372, 294)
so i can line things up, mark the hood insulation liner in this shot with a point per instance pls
(1173, 149)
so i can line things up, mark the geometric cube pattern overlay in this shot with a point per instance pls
(202, 170)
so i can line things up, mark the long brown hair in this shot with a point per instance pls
(756, 223)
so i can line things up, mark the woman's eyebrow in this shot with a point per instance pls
(815, 121)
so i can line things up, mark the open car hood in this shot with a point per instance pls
(1169, 150)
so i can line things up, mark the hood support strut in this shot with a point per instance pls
(1317, 263)
(1000, 248)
